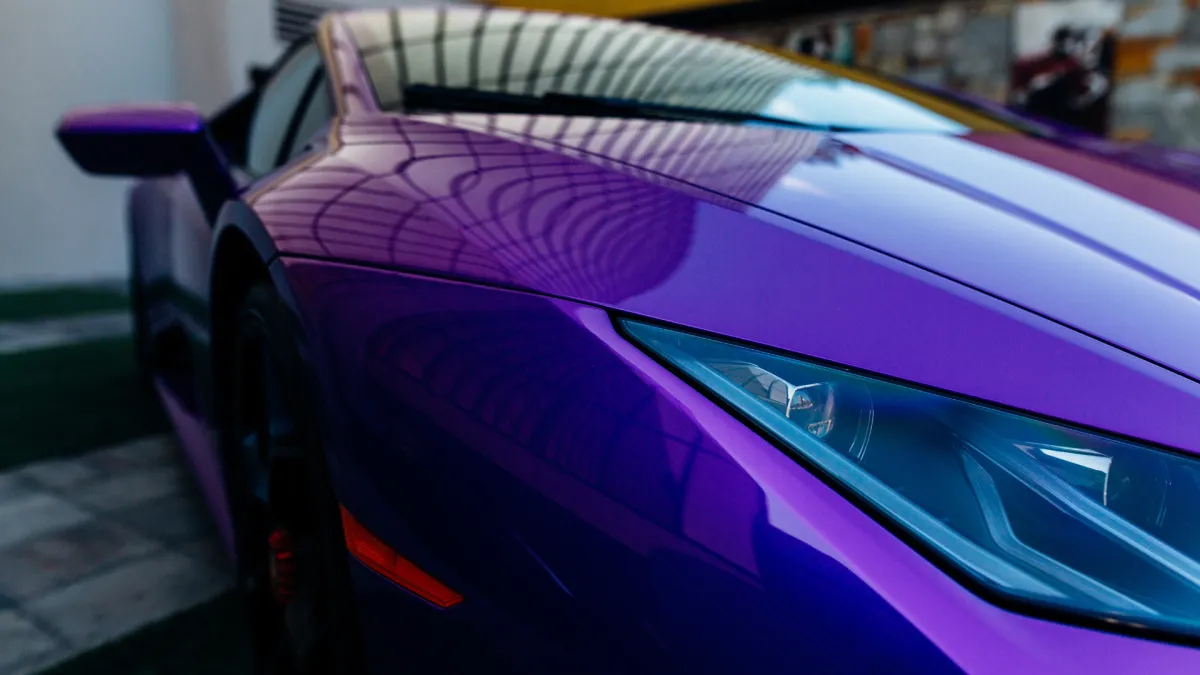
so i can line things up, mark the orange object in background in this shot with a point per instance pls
(1135, 56)
(862, 42)
(1131, 135)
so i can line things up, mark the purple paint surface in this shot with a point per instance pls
(201, 449)
(454, 278)
(146, 117)
(543, 215)
(596, 458)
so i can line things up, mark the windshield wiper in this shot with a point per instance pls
(423, 97)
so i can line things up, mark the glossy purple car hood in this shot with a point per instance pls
(995, 266)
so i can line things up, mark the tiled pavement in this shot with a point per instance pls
(94, 547)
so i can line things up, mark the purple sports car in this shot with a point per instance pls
(521, 342)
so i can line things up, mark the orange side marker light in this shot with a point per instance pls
(386, 562)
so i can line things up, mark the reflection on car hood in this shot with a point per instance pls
(1103, 248)
(1179, 165)
(993, 266)
(1107, 249)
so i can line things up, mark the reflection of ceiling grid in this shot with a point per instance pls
(718, 156)
(505, 198)
(432, 195)
(535, 52)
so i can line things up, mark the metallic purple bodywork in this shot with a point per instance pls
(720, 245)
(196, 438)
(180, 117)
(647, 525)
(453, 278)
(1179, 165)
(1175, 164)
(145, 140)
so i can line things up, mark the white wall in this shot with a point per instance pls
(55, 223)
(201, 58)
(216, 41)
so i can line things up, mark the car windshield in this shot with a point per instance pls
(538, 55)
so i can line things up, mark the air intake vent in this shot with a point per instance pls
(294, 20)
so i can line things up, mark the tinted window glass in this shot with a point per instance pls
(280, 100)
(535, 53)
(317, 111)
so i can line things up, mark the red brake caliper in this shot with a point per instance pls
(283, 566)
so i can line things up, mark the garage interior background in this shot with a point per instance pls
(1154, 55)
(61, 226)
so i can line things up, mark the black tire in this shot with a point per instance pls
(316, 631)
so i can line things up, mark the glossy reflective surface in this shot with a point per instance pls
(539, 53)
(143, 140)
(144, 117)
(487, 422)
(742, 230)
(618, 520)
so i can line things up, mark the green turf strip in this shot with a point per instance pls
(207, 639)
(72, 399)
(60, 302)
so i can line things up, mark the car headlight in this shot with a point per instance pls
(1031, 510)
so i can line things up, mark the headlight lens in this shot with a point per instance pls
(1032, 510)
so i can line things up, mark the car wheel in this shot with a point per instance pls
(292, 560)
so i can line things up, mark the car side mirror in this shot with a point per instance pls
(141, 140)
(146, 140)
